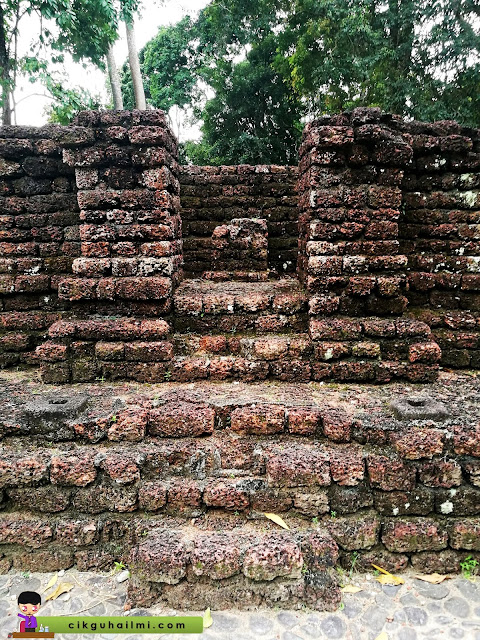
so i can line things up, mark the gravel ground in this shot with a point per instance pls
(414, 610)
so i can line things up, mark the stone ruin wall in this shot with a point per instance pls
(389, 226)
(119, 480)
(439, 231)
(213, 196)
(39, 236)
(116, 479)
(394, 205)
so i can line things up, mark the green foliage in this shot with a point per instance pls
(469, 567)
(271, 62)
(253, 118)
(83, 28)
(417, 58)
(167, 67)
(199, 153)
(353, 562)
(86, 27)
(69, 102)
(118, 566)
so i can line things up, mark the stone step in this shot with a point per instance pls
(237, 323)
(202, 437)
(144, 367)
(229, 276)
(273, 566)
(202, 565)
(394, 484)
(270, 347)
(221, 306)
(197, 478)
(377, 350)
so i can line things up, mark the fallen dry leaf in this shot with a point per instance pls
(393, 580)
(433, 578)
(63, 587)
(207, 619)
(387, 577)
(51, 582)
(277, 519)
(349, 588)
(382, 636)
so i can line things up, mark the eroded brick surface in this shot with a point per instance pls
(384, 241)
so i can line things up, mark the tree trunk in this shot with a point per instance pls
(135, 67)
(114, 80)
(4, 72)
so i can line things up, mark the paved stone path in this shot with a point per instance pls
(415, 610)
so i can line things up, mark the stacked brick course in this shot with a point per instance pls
(131, 248)
(243, 242)
(439, 231)
(122, 482)
(350, 198)
(177, 484)
(351, 167)
(130, 230)
(39, 236)
(213, 196)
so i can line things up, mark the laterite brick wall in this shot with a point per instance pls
(131, 251)
(389, 225)
(39, 235)
(394, 492)
(213, 196)
(439, 231)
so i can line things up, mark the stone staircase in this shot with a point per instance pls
(176, 481)
(180, 480)
(251, 331)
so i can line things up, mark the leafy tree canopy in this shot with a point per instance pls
(417, 58)
(271, 62)
(254, 116)
(168, 69)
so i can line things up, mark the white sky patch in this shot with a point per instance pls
(31, 97)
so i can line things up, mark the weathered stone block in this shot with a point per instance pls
(297, 466)
(273, 556)
(389, 474)
(226, 495)
(416, 534)
(261, 420)
(73, 469)
(161, 558)
(354, 532)
(180, 419)
(217, 556)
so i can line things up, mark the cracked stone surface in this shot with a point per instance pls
(415, 610)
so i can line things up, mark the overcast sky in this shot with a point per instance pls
(31, 109)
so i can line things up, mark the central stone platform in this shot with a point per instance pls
(239, 330)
